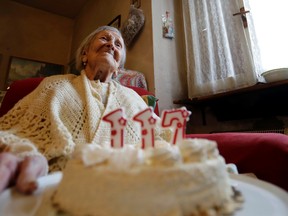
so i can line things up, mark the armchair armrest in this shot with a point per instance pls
(16, 91)
(264, 154)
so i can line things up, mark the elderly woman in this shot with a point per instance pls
(64, 112)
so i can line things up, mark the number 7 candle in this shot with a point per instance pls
(176, 119)
(118, 122)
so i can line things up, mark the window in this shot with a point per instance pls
(222, 54)
(270, 22)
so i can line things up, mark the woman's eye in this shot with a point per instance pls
(103, 38)
(118, 44)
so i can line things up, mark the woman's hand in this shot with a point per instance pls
(21, 173)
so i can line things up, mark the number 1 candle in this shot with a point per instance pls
(147, 121)
(118, 122)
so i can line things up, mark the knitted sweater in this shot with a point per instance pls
(63, 113)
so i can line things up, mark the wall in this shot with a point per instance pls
(33, 34)
(169, 61)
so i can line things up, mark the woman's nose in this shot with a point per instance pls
(110, 45)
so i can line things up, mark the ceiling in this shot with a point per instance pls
(66, 8)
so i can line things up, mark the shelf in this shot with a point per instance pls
(258, 101)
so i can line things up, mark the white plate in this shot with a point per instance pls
(261, 198)
(275, 75)
(14, 204)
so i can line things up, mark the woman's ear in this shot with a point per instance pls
(84, 59)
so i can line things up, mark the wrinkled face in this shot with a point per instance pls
(106, 51)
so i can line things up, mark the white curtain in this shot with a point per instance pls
(218, 47)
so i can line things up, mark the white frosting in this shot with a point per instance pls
(95, 154)
(163, 154)
(185, 179)
(198, 150)
(125, 158)
(118, 159)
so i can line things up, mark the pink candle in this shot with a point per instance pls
(176, 119)
(118, 122)
(147, 121)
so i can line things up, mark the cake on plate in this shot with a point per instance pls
(183, 177)
(189, 178)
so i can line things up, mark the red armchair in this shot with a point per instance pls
(264, 154)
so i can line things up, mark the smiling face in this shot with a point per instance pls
(103, 56)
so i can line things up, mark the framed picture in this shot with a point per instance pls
(116, 22)
(136, 3)
(20, 68)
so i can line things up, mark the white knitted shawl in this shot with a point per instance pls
(64, 112)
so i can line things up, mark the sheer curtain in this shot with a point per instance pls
(218, 47)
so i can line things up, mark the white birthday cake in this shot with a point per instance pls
(185, 178)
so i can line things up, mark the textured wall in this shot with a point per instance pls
(33, 34)
(169, 55)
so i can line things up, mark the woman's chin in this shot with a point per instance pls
(108, 62)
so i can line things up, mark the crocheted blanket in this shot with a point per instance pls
(63, 113)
